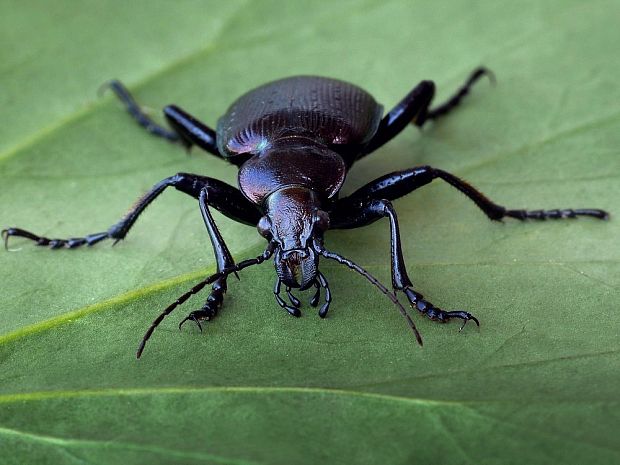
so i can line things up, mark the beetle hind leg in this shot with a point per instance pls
(415, 109)
(137, 113)
(454, 101)
(186, 129)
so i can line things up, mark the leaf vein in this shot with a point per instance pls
(66, 443)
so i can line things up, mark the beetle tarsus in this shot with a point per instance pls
(417, 301)
(191, 317)
(482, 71)
(71, 243)
(204, 314)
(556, 214)
(456, 98)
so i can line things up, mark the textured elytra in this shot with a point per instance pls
(332, 111)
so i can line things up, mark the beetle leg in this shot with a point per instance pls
(212, 305)
(199, 287)
(224, 260)
(415, 103)
(395, 185)
(196, 317)
(372, 202)
(225, 198)
(276, 292)
(186, 129)
(414, 109)
(137, 113)
(355, 214)
(416, 300)
(455, 99)
(191, 130)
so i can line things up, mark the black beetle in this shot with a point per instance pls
(294, 140)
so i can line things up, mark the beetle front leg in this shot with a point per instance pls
(352, 214)
(224, 260)
(223, 257)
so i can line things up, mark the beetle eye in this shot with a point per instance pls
(264, 227)
(321, 220)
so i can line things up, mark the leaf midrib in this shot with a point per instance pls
(46, 395)
(468, 405)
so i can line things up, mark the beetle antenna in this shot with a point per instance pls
(355, 267)
(198, 287)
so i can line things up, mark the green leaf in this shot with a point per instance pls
(537, 383)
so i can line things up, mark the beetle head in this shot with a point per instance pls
(292, 222)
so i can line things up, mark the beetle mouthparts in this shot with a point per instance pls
(297, 268)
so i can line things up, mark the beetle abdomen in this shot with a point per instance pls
(330, 111)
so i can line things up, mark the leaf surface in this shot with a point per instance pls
(537, 383)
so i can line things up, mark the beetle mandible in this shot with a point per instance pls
(294, 141)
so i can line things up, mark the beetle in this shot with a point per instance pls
(294, 140)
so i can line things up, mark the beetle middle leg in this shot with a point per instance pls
(415, 109)
(223, 259)
(218, 194)
(372, 202)
(225, 198)
(398, 184)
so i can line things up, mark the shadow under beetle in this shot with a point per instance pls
(294, 140)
